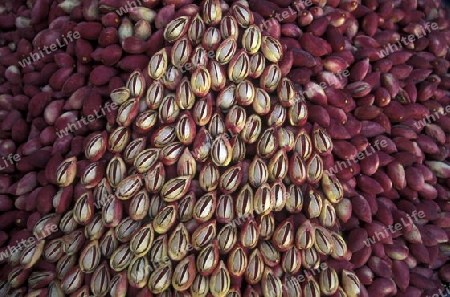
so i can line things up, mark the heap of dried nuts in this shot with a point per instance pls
(228, 161)
(200, 186)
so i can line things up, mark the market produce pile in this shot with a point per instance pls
(224, 148)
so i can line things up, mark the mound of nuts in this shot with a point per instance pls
(224, 148)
